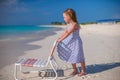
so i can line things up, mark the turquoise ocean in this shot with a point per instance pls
(13, 31)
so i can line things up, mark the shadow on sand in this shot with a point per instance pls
(96, 68)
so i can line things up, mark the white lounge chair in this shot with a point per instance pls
(28, 62)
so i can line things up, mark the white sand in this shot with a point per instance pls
(101, 48)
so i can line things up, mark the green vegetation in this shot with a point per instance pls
(88, 23)
(61, 23)
(57, 23)
(84, 23)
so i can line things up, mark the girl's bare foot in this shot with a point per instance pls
(73, 73)
(81, 74)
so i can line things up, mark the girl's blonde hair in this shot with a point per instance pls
(71, 13)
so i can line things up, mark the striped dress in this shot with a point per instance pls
(71, 48)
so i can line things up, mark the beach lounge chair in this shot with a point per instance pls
(28, 62)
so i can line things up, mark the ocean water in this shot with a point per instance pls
(18, 29)
(11, 31)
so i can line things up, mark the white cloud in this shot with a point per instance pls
(116, 16)
(21, 9)
(8, 2)
(12, 6)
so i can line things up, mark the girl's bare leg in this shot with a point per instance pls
(83, 69)
(74, 69)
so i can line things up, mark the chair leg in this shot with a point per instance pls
(15, 72)
(54, 70)
(55, 64)
(20, 69)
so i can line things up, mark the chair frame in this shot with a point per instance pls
(49, 61)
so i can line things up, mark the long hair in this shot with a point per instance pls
(71, 13)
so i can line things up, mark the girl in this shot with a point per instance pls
(72, 41)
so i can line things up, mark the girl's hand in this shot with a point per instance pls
(59, 40)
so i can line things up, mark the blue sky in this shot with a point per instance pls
(35, 12)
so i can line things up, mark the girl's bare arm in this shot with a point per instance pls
(66, 34)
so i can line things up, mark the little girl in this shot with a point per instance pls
(72, 42)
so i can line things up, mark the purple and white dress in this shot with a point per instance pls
(71, 48)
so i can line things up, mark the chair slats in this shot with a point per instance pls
(32, 62)
(26, 62)
(36, 63)
(21, 61)
(43, 63)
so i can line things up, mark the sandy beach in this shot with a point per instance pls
(101, 48)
